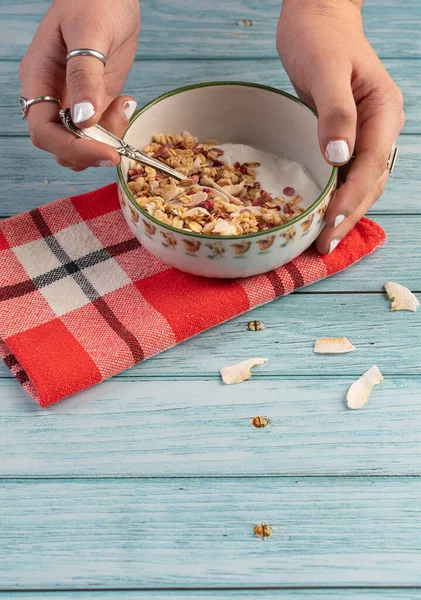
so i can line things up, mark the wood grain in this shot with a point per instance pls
(254, 594)
(203, 428)
(199, 533)
(203, 30)
(153, 78)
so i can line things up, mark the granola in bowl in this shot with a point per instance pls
(188, 207)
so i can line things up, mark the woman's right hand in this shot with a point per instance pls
(91, 90)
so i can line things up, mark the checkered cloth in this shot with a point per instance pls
(81, 300)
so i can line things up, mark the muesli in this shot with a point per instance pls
(187, 207)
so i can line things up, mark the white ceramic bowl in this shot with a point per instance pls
(245, 113)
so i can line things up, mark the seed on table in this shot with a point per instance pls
(245, 23)
(255, 326)
(260, 422)
(263, 530)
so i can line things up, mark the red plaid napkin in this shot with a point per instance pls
(81, 300)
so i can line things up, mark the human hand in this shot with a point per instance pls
(334, 69)
(91, 91)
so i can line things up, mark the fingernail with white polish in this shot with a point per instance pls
(128, 108)
(339, 219)
(105, 163)
(333, 245)
(82, 111)
(337, 151)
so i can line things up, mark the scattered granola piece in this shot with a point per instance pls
(263, 530)
(255, 326)
(245, 23)
(360, 390)
(333, 346)
(403, 299)
(260, 422)
(241, 371)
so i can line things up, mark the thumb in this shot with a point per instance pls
(118, 114)
(337, 113)
(85, 85)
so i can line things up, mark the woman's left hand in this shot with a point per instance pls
(334, 69)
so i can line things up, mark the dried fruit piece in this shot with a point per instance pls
(288, 191)
(403, 299)
(360, 390)
(263, 530)
(333, 346)
(241, 371)
(255, 326)
(260, 422)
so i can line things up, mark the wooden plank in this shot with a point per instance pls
(24, 187)
(288, 339)
(307, 594)
(150, 79)
(199, 533)
(179, 29)
(197, 428)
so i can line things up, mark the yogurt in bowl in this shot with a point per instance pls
(275, 174)
(253, 124)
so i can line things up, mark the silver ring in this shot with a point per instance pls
(87, 52)
(25, 104)
(391, 161)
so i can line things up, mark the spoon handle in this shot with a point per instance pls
(99, 134)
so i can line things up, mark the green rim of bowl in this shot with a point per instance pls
(195, 86)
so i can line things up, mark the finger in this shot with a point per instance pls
(331, 236)
(376, 137)
(67, 164)
(118, 114)
(85, 75)
(50, 135)
(332, 94)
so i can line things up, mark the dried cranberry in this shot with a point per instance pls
(218, 163)
(205, 153)
(237, 165)
(190, 193)
(289, 191)
(207, 190)
(244, 169)
(256, 185)
(288, 210)
(207, 204)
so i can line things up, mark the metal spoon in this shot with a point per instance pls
(99, 134)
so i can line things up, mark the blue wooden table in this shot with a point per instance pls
(150, 485)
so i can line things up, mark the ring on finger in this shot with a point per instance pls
(87, 52)
(25, 103)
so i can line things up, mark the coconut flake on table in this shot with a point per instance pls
(274, 173)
